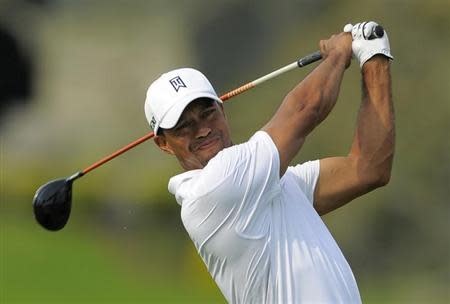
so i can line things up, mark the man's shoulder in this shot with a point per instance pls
(227, 173)
(177, 180)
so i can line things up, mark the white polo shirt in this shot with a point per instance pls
(259, 236)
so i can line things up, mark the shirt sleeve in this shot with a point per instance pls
(306, 176)
(236, 186)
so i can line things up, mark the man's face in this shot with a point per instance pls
(200, 133)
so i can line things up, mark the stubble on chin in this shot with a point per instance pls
(212, 154)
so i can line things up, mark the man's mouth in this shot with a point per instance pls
(206, 143)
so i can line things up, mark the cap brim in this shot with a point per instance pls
(173, 115)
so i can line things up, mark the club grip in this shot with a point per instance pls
(377, 32)
(313, 57)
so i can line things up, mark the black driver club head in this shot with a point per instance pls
(52, 204)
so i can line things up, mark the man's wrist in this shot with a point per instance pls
(375, 72)
(376, 61)
(338, 59)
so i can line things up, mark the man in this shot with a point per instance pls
(254, 219)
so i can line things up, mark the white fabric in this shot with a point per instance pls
(259, 236)
(363, 46)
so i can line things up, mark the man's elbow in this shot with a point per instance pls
(378, 178)
(375, 172)
(383, 179)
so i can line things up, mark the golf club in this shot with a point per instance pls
(52, 202)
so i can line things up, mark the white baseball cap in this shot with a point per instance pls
(170, 94)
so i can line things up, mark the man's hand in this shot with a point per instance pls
(363, 46)
(337, 45)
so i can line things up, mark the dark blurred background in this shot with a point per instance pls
(73, 78)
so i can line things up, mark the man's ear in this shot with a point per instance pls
(161, 142)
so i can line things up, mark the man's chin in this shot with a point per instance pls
(208, 154)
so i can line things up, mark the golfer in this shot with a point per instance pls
(254, 219)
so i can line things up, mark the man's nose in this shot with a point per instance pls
(203, 131)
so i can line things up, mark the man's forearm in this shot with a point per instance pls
(375, 134)
(311, 100)
(318, 92)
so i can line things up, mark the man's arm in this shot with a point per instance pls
(311, 100)
(369, 162)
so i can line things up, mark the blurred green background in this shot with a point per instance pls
(87, 65)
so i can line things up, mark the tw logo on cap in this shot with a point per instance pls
(177, 83)
(153, 122)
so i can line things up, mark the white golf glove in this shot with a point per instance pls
(365, 45)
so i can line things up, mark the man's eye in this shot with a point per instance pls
(181, 127)
(208, 112)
